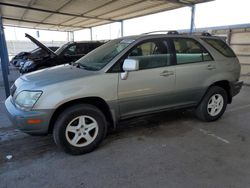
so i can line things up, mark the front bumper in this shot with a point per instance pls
(20, 118)
(235, 87)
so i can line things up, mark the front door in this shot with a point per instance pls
(152, 87)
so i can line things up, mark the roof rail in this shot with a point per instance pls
(163, 31)
(206, 34)
(173, 33)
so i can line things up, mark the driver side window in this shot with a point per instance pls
(151, 54)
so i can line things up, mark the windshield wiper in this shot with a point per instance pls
(74, 64)
(78, 65)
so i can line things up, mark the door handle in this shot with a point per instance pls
(167, 73)
(210, 67)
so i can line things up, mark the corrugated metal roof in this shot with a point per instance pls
(72, 15)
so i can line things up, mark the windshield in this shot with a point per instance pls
(100, 57)
(61, 49)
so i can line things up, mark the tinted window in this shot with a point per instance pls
(220, 46)
(151, 54)
(82, 48)
(71, 50)
(93, 46)
(62, 48)
(190, 51)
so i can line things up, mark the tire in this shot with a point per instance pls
(213, 104)
(80, 129)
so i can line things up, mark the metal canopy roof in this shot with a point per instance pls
(72, 15)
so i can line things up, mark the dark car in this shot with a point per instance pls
(23, 56)
(67, 53)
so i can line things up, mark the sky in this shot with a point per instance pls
(215, 13)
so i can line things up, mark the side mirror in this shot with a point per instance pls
(128, 66)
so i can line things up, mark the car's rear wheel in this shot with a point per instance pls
(213, 104)
(80, 129)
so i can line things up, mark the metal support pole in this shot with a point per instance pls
(6, 52)
(71, 36)
(122, 29)
(192, 19)
(229, 37)
(91, 34)
(4, 59)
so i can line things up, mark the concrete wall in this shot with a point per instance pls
(240, 43)
(239, 40)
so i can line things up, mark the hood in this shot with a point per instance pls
(21, 55)
(39, 44)
(54, 75)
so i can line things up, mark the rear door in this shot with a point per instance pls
(152, 87)
(194, 66)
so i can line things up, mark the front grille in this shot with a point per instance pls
(12, 90)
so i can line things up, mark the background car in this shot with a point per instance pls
(23, 56)
(67, 53)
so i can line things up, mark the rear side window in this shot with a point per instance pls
(220, 46)
(190, 51)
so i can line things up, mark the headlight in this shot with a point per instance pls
(28, 63)
(27, 99)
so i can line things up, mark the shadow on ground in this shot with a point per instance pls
(158, 125)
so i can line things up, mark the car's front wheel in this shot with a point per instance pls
(213, 104)
(80, 129)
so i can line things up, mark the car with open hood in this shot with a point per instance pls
(67, 53)
(21, 57)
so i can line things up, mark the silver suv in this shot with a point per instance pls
(126, 77)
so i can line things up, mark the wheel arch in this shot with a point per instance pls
(95, 101)
(225, 84)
